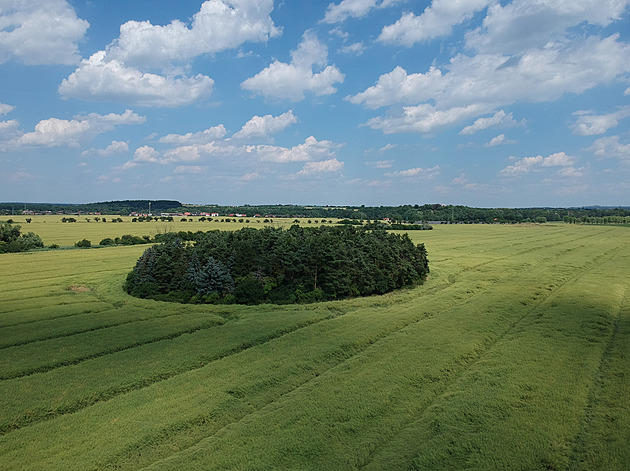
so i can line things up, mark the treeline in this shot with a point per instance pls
(404, 214)
(12, 239)
(270, 265)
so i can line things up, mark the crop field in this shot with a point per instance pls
(515, 354)
(53, 231)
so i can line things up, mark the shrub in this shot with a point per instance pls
(107, 241)
(83, 243)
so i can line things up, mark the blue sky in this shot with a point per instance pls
(377, 102)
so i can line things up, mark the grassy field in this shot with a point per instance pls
(513, 355)
(53, 231)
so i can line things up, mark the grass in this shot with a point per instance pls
(513, 355)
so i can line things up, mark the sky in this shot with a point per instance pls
(487, 103)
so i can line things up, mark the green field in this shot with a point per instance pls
(515, 355)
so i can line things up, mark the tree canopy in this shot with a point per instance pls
(272, 265)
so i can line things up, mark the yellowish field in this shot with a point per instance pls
(53, 231)
(513, 355)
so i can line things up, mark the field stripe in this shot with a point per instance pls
(46, 355)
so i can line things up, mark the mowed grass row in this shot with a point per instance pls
(116, 368)
(299, 377)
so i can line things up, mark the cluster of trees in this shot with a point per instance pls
(12, 240)
(252, 266)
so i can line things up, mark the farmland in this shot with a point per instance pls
(513, 355)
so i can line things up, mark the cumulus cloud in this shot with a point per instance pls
(437, 20)
(484, 82)
(146, 154)
(398, 87)
(290, 81)
(417, 172)
(588, 124)
(218, 25)
(110, 80)
(203, 137)
(499, 140)
(610, 147)
(126, 71)
(324, 166)
(312, 149)
(423, 119)
(55, 132)
(115, 148)
(264, 126)
(337, 13)
(529, 164)
(499, 120)
(522, 24)
(40, 32)
(5, 109)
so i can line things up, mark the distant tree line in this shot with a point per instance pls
(12, 239)
(404, 214)
(270, 265)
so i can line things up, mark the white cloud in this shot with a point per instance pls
(251, 176)
(437, 20)
(312, 149)
(146, 154)
(336, 13)
(55, 132)
(588, 124)
(559, 159)
(290, 81)
(529, 164)
(496, 141)
(380, 164)
(194, 152)
(116, 147)
(572, 172)
(398, 87)
(388, 147)
(5, 109)
(418, 172)
(203, 137)
(110, 80)
(193, 169)
(499, 120)
(40, 32)
(264, 126)
(524, 165)
(324, 166)
(423, 119)
(485, 82)
(610, 147)
(126, 70)
(499, 140)
(525, 24)
(353, 49)
(219, 25)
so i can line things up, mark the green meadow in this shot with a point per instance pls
(515, 355)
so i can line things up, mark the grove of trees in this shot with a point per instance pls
(12, 240)
(271, 265)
